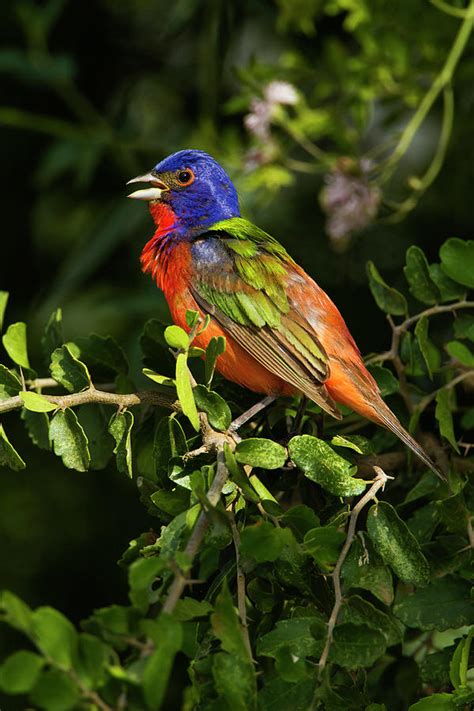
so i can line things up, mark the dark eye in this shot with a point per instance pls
(185, 177)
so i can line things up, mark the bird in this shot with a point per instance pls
(284, 335)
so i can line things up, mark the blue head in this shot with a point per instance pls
(194, 187)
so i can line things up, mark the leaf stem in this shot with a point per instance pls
(442, 79)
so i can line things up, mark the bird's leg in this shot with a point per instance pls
(251, 412)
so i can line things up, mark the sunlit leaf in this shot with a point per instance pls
(14, 341)
(69, 440)
(36, 403)
(185, 390)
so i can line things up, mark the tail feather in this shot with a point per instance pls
(388, 419)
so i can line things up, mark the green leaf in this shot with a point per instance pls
(14, 340)
(355, 646)
(215, 348)
(172, 502)
(263, 541)
(361, 612)
(192, 317)
(387, 299)
(157, 378)
(444, 416)
(358, 443)
(9, 457)
(95, 423)
(120, 427)
(102, 351)
(92, 661)
(15, 612)
(300, 519)
(457, 260)
(435, 702)
(227, 628)
(69, 440)
(445, 603)
(464, 326)
(215, 407)
(461, 352)
(324, 544)
(20, 672)
(430, 353)
(166, 633)
(238, 476)
(185, 390)
(55, 636)
(418, 276)
(387, 382)
(363, 568)
(459, 665)
(322, 464)
(10, 383)
(396, 544)
(188, 609)
(68, 370)
(37, 425)
(449, 289)
(169, 443)
(234, 683)
(55, 691)
(260, 452)
(141, 574)
(3, 305)
(36, 403)
(177, 337)
(53, 334)
(296, 634)
(278, 694)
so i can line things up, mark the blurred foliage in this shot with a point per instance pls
(375, 129)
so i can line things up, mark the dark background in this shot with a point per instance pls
(102, 94)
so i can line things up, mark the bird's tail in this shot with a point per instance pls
(388, 419)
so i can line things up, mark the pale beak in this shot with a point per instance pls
(154, 192)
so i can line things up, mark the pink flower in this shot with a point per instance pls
(349, 200)
(259, 119)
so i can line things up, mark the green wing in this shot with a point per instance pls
(240, 279)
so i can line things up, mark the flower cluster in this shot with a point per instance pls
(258, 120)
(349, 200)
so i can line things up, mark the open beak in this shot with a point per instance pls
(154, 192)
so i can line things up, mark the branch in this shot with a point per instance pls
(192, 548)
(401, 328)
(423, 404)
(240, 584)
(146, 397)
(379, 483)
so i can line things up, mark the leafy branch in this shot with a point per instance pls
(379, 484)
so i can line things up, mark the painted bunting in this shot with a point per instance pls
(283, 333)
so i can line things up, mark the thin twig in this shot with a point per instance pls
(240, 584)
(146, 397)
(213, 495)
(401, 328)
(379, 482)
(423, 404)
